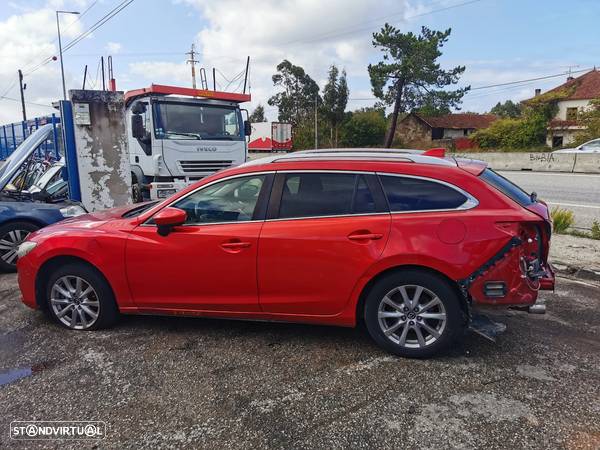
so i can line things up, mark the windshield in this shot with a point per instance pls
(194, 121)
(592, 144)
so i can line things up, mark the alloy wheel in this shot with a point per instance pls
(412, 316)
(74, 302)
(9, 243)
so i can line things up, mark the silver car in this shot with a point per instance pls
(592, 146)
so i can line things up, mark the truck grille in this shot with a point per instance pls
(203, 166)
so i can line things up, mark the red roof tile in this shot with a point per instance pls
(587, 86)
(460, 121)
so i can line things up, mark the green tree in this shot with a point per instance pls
(296, 102)
(409, 75)
(590, 119)
(335, 99)
(508, 109)
(365, 128)
(258, 115)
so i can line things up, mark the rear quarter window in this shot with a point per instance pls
(506, 186)
(415, 194)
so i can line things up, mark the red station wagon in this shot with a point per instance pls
(408, 243)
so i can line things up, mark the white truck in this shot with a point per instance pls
(178, 135)
(270, 137)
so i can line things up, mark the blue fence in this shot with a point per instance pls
(12, 134)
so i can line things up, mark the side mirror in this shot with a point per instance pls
(247, 128)
(168, 218)
(138, 131)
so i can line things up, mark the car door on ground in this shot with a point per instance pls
(324, 230)
(209, 263)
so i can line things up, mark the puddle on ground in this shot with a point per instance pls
(12, 375)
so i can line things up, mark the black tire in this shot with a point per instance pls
(106, 309)
(447, 324)
(12, 234)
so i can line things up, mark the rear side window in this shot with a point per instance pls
(506, 187)
(324, 194)
(415, 194)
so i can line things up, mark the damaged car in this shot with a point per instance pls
(410, 244)
(33, 194)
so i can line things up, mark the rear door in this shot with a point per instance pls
(324, 230)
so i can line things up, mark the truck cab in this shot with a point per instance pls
(177, 136)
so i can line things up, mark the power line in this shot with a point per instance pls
(330, 35)
(112, 13)
(3, 97)
(508, 83)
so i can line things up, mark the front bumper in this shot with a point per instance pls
(26, 273)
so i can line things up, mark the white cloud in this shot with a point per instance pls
(311, 33)
(113, 47)
(26, 39)
(158, 72)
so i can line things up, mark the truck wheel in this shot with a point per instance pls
(136, 193)
(413, 313)
(79, 298)
(11, 235)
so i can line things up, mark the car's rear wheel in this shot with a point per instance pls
(413, 313)
(79, 298)
(11, 236)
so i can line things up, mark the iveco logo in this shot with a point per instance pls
(206, 149)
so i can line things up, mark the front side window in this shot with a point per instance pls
(325, 194)
(194, 121)
(226, 201)
(416, 194)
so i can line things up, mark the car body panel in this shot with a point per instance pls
(198, 267)
(305, 266)
(592, 146)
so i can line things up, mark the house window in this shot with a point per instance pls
(571, 113)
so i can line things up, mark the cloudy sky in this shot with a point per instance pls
(498, 41)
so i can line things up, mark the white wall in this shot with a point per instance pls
(563, 105)
(452, 133)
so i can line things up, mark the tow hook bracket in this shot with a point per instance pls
(486, 327)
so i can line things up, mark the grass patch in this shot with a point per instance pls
(562, 219)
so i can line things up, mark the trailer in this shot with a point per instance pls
(270, 137)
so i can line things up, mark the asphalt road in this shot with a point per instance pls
(578, 192)
(199, 383)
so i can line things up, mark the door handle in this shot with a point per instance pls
(235, 245)
(365, 236)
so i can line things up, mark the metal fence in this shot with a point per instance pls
(12, 134)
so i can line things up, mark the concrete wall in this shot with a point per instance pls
(102, 153)
(539, 162)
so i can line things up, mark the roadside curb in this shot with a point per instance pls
(576, 271)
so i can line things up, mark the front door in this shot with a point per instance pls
(328, 230)
(209, 263)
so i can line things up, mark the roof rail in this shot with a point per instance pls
(388, 155)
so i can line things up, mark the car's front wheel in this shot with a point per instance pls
(413, 313)
(79, 298)
(11, 236)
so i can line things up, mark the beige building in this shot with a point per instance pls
(563, 128)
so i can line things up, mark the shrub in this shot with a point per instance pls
(595, 230)
(562, 219)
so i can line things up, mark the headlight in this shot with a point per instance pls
(25, 247)
(72, 211)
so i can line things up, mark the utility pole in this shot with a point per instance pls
(22, 95)
(193, 62)
(316, 125)
(62, 69)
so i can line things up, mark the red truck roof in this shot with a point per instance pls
(160, 89)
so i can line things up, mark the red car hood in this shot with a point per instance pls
(92, 220)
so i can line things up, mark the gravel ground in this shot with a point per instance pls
(198, 383)
(575, 251)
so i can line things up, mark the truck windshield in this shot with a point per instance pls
(194, 121)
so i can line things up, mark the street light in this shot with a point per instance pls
(62, 69)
